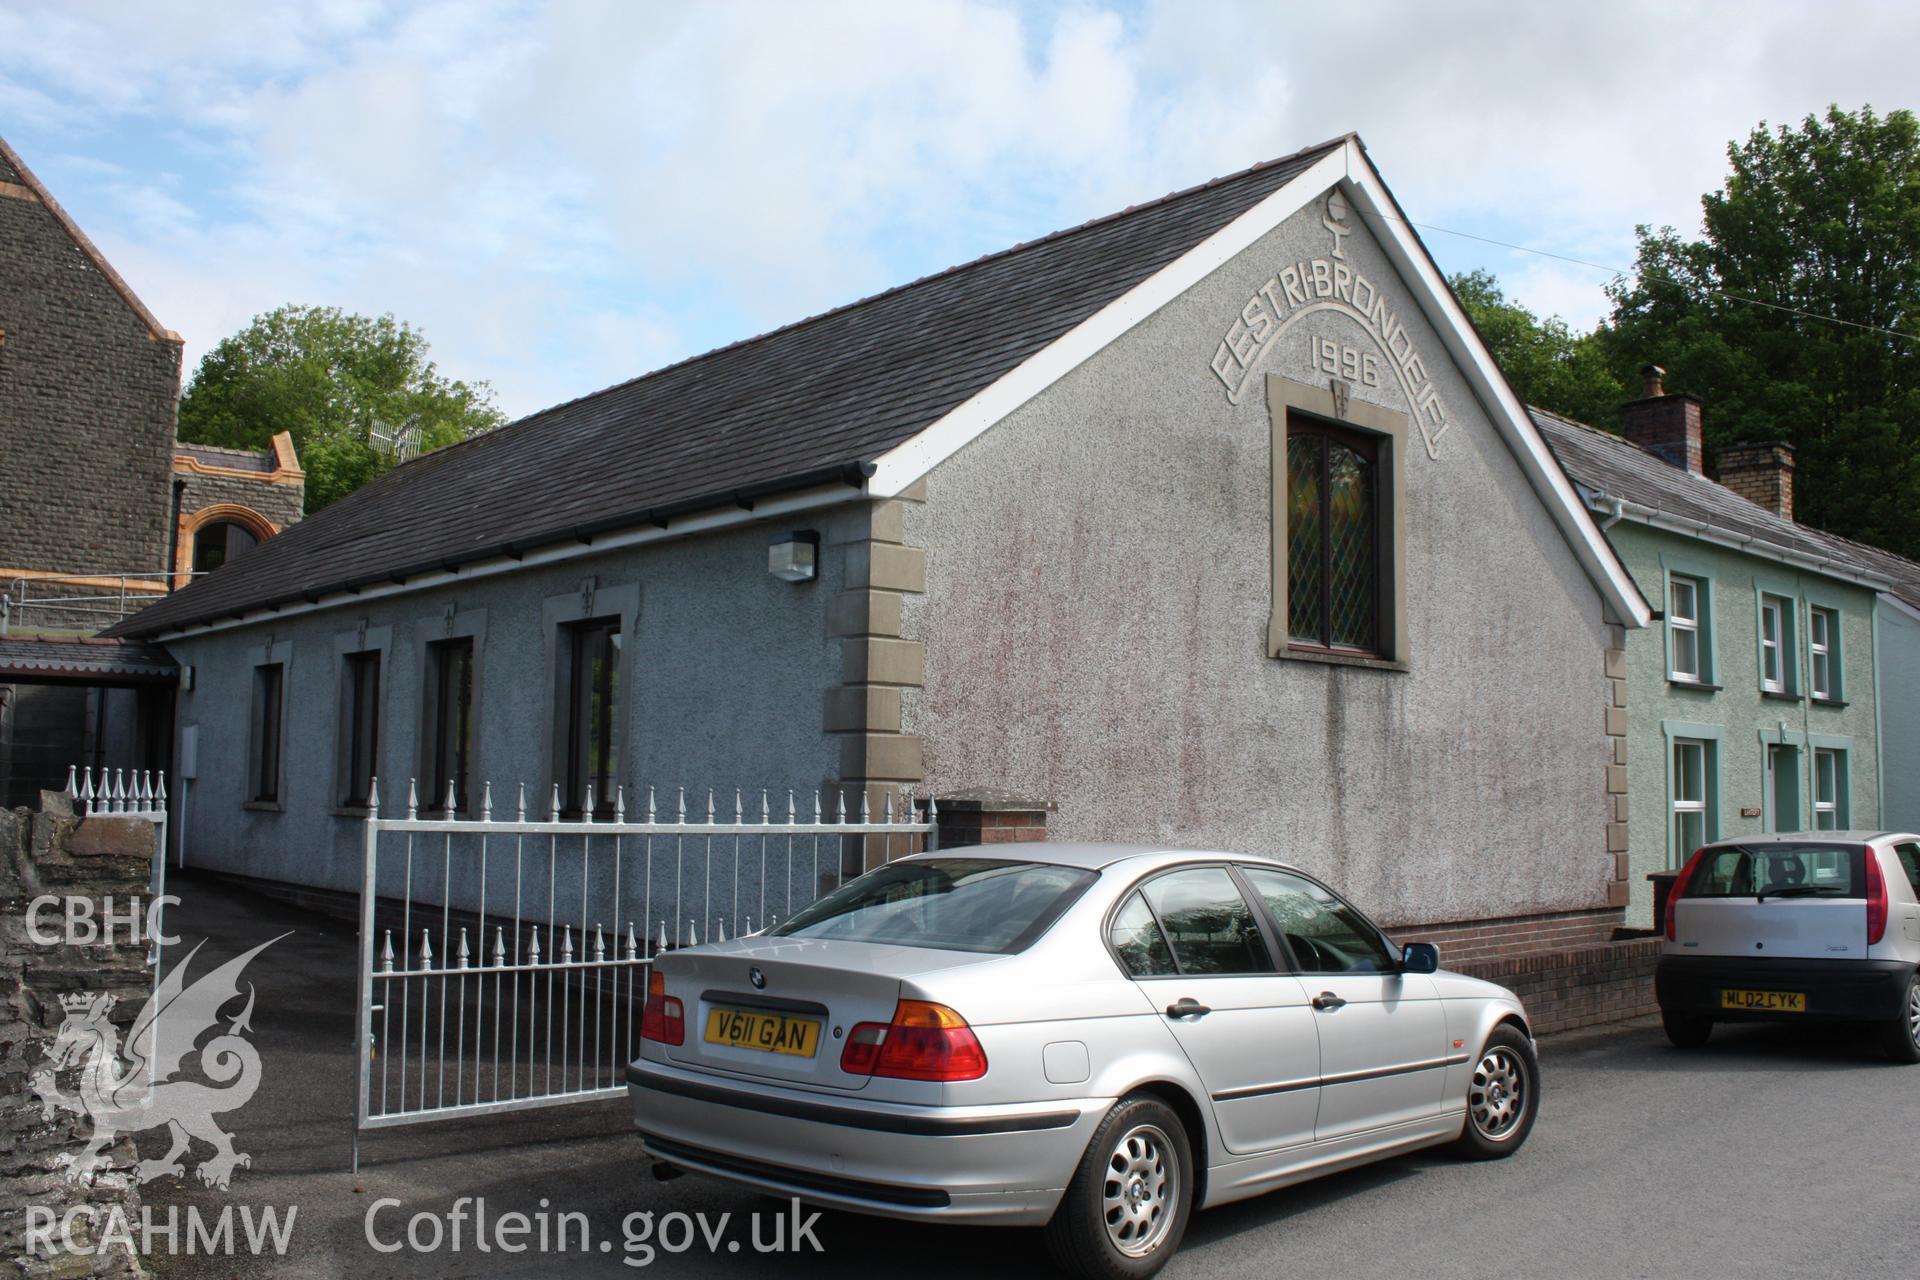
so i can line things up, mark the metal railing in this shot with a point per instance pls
(131, 793)
(83, 606)
(502, 960)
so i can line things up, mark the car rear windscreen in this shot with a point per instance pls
(953, 904)
(1780, 871)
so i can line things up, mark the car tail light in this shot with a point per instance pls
(1876, 899)
(663, 1018)
(925, 1041)
(1679, 887)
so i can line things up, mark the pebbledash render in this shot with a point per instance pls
(1209, 524)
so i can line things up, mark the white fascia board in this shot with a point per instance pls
(907, 462)
(701, 522)
(1349, 167)
(1369, 194)
(1760, 548)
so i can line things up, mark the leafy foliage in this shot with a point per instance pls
(1821, 219)
(1545, 361)
(336, 381)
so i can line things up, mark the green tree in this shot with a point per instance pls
(1545, 361)
(1797, 316)
(339, 382)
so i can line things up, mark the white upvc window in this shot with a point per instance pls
(1822, 629)
(1689, 798)
(1683, 628)
(1773, 667)
(1827, 772)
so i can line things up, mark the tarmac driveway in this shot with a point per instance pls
(1777, 1152)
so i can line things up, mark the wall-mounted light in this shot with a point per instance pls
(794, 557)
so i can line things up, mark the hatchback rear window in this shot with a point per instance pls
(1780, 871)
(952, 904)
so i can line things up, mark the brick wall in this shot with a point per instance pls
(51, 852)
(1576, 986)
(88, 393)
(1480, 940)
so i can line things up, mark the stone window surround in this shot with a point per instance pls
(590, 600)
(452, 624)
(191, 522)
(362, 639)
(1836, 694)
(1783, 592)
(1805, 782)
(1674, 565)
(1841, 749)
(262, 655)
(1715, 737)
(1285, 396)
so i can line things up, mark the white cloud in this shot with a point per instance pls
(564, 194)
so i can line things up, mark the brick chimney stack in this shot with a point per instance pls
(1761, 473)
(1667, 426)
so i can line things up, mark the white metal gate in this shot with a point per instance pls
(503, 960)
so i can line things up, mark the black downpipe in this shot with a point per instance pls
(173, 533)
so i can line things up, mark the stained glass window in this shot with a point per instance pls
(1333, 538)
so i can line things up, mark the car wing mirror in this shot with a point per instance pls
(1419, 957)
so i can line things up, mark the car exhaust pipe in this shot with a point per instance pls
(664, 1172)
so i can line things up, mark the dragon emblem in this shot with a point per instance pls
(146, 1090)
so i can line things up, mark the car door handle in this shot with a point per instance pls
(1186, 1007)
(1326, 1001)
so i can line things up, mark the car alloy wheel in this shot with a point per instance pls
(1913, 1012)
(1498, 1097)
(1141, 1191)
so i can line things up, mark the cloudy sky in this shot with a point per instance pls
(564, 195)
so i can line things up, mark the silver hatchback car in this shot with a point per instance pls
(1815, 926)
(1096, 1039)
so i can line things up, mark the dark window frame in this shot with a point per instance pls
(359, 727)
(575, 743)
(1375, 448)
(441, 758)
(227, 551)
(266, 734)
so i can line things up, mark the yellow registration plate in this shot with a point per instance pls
(1765, 1001)
(767, 1032)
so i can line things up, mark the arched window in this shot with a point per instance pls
(1333, 537)
(220, 541)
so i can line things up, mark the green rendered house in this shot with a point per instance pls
(1750, 704)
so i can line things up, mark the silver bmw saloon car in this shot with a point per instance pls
(1097, 1039)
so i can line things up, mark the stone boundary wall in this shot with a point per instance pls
(52, 852)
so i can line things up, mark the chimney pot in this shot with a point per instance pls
(1652, 381)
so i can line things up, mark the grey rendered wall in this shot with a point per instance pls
(726, 672)
(1095, 624)
(1897, 634)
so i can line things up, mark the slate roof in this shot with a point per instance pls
(1600, 461)
(32, 659)
(214, 455)
(812, 403)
